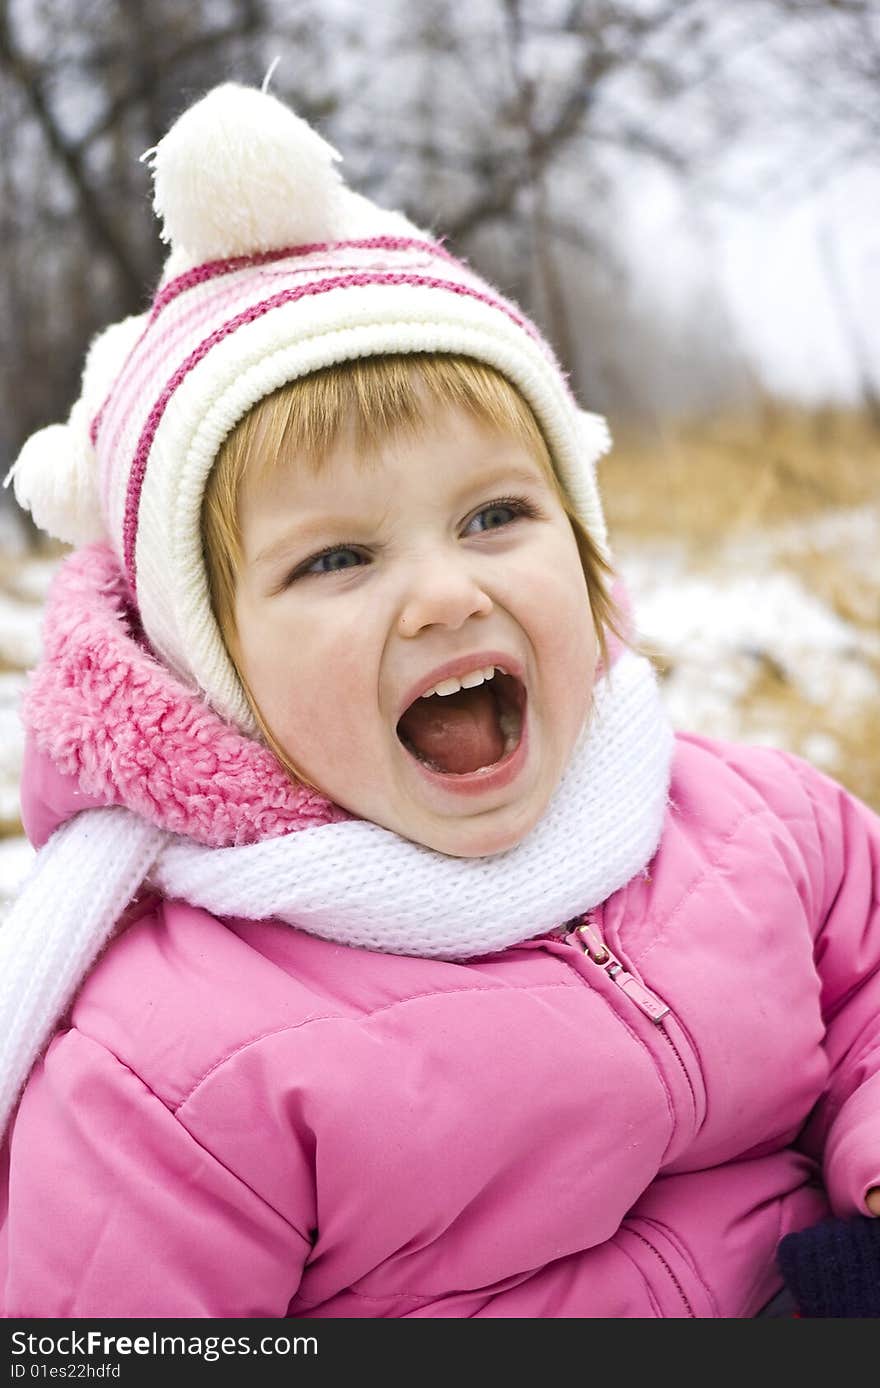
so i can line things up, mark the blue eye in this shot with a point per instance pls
(332, 561)
(499, 513)
(492, 517)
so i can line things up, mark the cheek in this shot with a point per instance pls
(567, 650)
(310, 680)
(326, 725)
(558, 604)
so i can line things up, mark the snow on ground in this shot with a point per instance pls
(16, 856)
(11, 745)
(713, 628)
(718, 635)
(718, 628)
(19, 631)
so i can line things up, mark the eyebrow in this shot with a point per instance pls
(301, 534)
(349, 525)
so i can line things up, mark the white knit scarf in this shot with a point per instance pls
(353, 882)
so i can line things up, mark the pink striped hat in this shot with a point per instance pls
(276, 269)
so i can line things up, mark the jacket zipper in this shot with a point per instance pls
(648, 1002)
(653, 1007)
(596, 949)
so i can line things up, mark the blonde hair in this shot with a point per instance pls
(376, 397)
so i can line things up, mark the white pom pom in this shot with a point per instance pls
(54, 479)
(239, 173)
(595, 435)
(55, 474)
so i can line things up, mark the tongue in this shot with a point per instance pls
(456, 733)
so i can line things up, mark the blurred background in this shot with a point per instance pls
(686, 196)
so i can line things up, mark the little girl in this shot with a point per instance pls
(385, 953)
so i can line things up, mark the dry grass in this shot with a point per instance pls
(713, 478)
(710, 484)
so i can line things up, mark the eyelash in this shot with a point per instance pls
(520, 507)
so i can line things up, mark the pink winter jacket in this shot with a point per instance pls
(242, 1120)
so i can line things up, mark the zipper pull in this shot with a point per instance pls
(597, 950)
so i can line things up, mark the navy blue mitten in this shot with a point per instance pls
(832, 1269)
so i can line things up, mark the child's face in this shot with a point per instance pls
(370, 581)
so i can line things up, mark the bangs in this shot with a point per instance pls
(369, 400)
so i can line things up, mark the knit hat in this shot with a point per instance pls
(276, 269)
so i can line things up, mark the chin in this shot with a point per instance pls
(477, 840)
(489, 851)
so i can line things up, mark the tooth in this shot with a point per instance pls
(510, 725)
(447, 687)
(473, 679)
(467, 681)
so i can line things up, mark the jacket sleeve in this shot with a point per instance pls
(114, 1209)
(840, 840)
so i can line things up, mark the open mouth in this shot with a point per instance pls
(472, 728)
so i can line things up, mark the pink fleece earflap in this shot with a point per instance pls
(119, 729)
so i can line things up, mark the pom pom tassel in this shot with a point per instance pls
(55, 474)
(238, 173)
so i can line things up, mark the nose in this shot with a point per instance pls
(442, 593)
